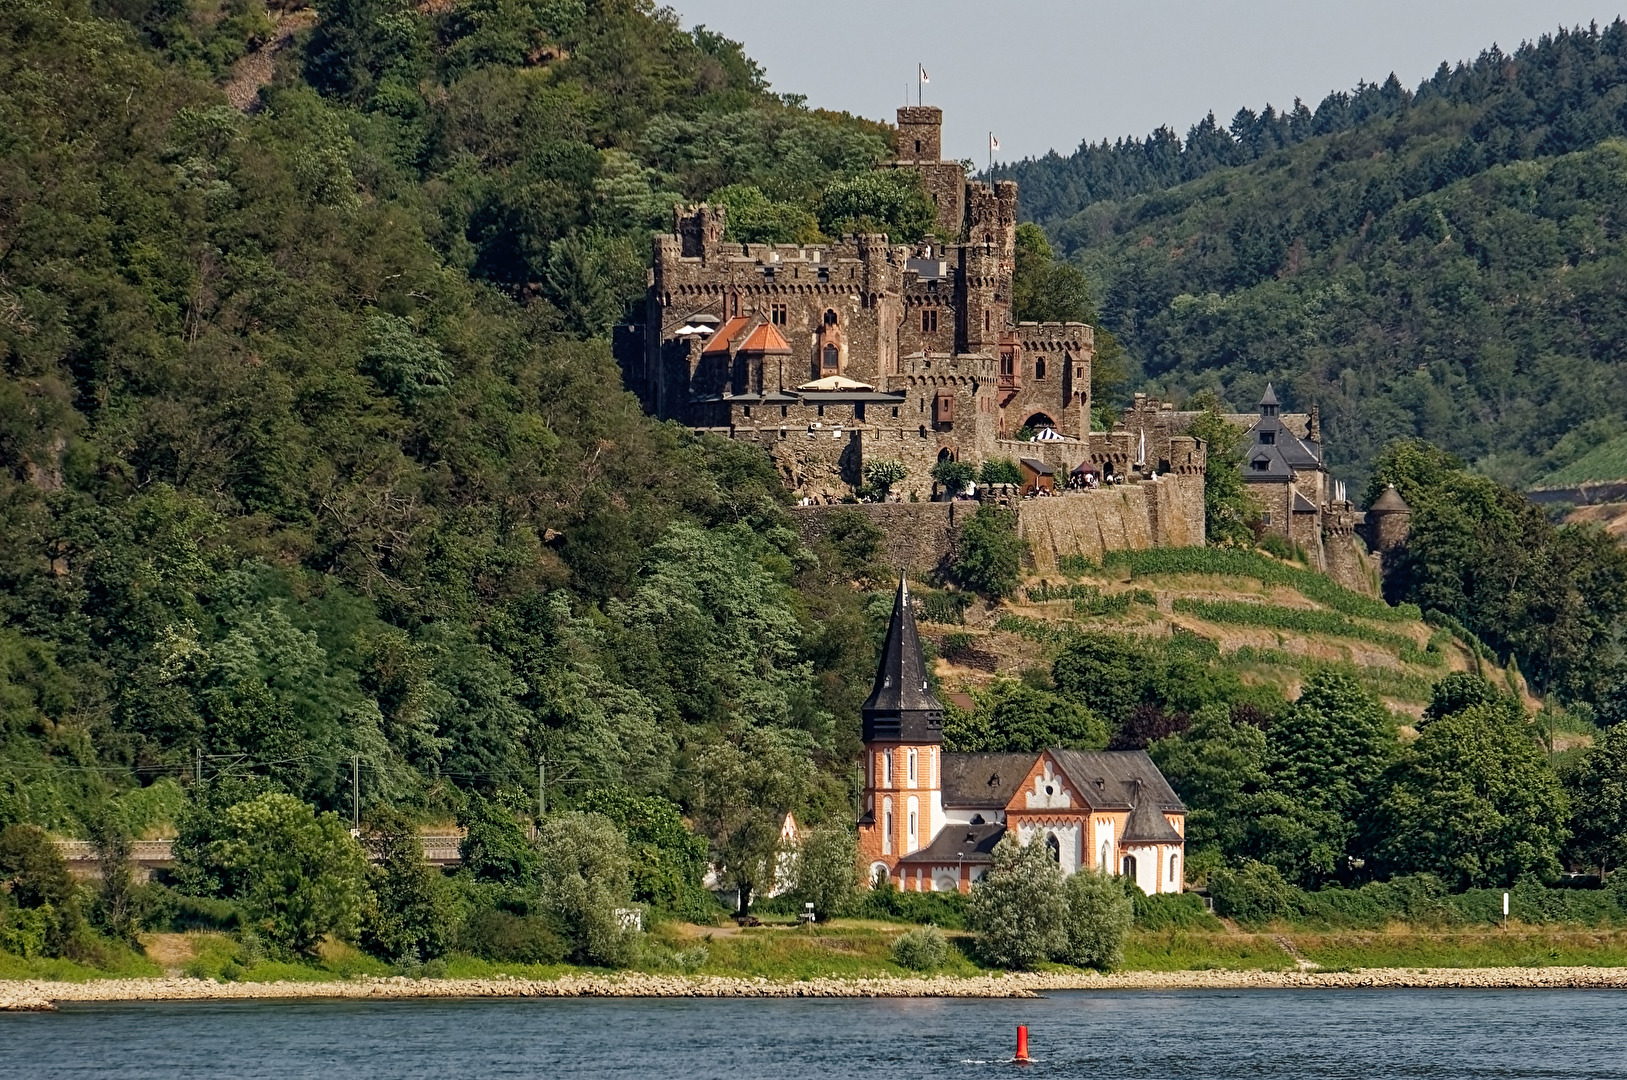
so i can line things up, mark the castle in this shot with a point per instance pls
(930, 819)
(833, 357)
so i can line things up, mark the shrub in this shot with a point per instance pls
(585, 885)
(1099, 915)
(990, 558)
(1019, 907)
(828, 871)
(42, 911)
(885, 901)
(1255, 893)
(1173, 911)
(502, 935)
(925, 949)
(953, 475)
(882, 475)
(999, 471)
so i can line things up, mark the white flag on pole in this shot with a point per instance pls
(924, 76)
(994, 144)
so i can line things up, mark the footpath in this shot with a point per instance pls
(42, 995)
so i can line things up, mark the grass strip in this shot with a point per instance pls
(1235, 562)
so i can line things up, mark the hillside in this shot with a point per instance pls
(1438, 263)
(1602, 464)
(1269, 623)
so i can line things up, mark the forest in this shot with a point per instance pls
(1439, 263)
(316, 471)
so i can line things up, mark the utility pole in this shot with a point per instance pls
(542, 792)
(197, 767)
(356, 794)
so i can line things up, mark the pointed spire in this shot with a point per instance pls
(901, 707)
(1269, 402)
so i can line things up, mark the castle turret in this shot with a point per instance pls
(1388, 521)
(903, 737)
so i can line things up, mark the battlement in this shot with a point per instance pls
(920, 133)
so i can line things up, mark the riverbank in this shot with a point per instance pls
(34, 994)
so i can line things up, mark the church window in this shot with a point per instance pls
(929, 320)
(830, 360)
(886, 826)
(1129, 868)
(1106, 857)
(1008, 363)
(912, 827)
(886, 769)
(830, 317)
(1039, 368)
(1172, 878)
(777, 313)
(912, 760)
(1054, 846)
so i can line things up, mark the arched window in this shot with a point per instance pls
(1107, 859)
(1173, 879)
(886, 826)
(946, 454)
(830, 317)
(1129, 867)
(1039, 368)
(886, 768)
(1054, 846)
(878, 874)
(829, 360)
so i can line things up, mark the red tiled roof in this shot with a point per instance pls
(765, 339)
(720, 340)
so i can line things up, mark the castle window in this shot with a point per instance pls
(778, 314)
(917, 146)
(830, 317)
(784, 411)
(912, 760)
(830, 360)
(858, 411)
(988, 320)
(865, 300)
(1008, 363)
(824, 274)
(821, 410)
(768, 273)
(748, 410)
(1265, 518)
(929, 320)
(895, 410)
(1039, 368)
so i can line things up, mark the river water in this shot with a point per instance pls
(1439, 1034)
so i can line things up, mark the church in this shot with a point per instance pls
(930, 819)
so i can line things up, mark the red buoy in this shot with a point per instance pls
(1022, 1044)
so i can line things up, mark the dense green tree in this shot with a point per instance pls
(494, 847)
(407, 913)
(583, 869)
(1020, 907)
(999, 471)
(1228, 509)
(1472, 801)
(1218, 768)
(1597, 787)
(827, 870)
(297, 875)
(1012, 717)
(1098, 920)
(889, 201)
(668, 862)
(748, 783)
(1044, 289)
(988, 555)
(44, 901)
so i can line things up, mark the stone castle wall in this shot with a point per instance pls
(921, 536)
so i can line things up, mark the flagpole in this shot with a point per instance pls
(918, 69)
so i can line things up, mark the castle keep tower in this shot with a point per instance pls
(903, 737)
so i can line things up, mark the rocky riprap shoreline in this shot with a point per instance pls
(35, 994)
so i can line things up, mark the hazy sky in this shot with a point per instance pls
(1048, 73)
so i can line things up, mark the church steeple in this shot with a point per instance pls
(901, 707)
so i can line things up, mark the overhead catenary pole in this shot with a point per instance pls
(356, 793)
(542, 791)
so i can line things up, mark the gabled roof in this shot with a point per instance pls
(959, 844)
(1389, 500)
(719, 342)
(766, 339)
(984, 780)
(901, 705)
(1038, 466)
(1108, 779)
(1302, 505)
(1275, 467)
(1147, 824)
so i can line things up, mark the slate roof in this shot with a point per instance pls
(1302, 505)
(1110, 779)
(959, 844)
(901, 704)
(1390, 499)
(990, 780)
(1147, 824)
(1275, 467)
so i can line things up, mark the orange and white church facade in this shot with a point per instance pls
(931, 819)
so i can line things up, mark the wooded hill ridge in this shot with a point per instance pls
(1442, 263)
